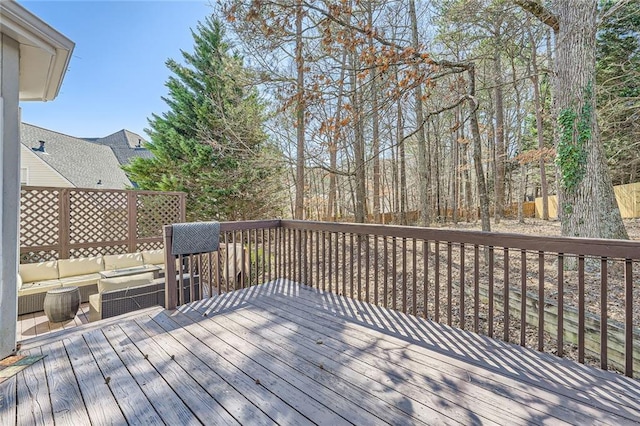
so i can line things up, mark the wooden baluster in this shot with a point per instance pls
(523, 297)
(604, 297)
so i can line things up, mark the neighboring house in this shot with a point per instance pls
(125, 145)
(54, 159)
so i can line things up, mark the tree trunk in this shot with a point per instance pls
(333, 144)
(454, 177)
(403, 167)
(375, 139)
(360, 208)
(477, 152)
(539, 128)
(587, 205)
(300, 109)
(500, 156)
(422, 150)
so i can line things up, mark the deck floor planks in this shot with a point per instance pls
(354, 389)
(207, 377)
(532, 390)
(444, 381)
(66, 400)
(8, 401)
(299, 394)
(603, 387)
(101, 405)
(203, 405)
(231, 373)
(168, 405)
(298, 297)
(270, 332)
(135, 406)
(37, 324)
(411, 383)
(33, 393)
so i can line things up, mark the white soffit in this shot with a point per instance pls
(44, 52)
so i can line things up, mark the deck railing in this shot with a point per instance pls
(569, 296)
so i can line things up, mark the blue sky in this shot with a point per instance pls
(117, 73)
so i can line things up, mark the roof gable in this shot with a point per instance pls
(84, 164)
(125, 145)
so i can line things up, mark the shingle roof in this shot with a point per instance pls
(83, 163)
(125, 145)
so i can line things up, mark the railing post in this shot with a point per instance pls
(132, 213)
(64, 207)
(170, 288)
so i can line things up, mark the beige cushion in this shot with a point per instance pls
(38, 287)
(153, 257)
(43, 271)
(81, 280)
(19, 281)
(119, 283)
(95, 307)
(121, 261)
(81, 266)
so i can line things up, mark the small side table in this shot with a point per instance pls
(61, 304)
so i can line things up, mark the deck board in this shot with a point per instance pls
(135, 406)
(517, 377)
(343, 390)
(102, 407)
(204, 407)
(66, 401)
(230, 374)
(287, 354)
(33, 394)
(167, 403)
(37, 324)
(216, 387)
(401, 378)
(293, 390)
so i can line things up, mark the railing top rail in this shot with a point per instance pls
(568, 245)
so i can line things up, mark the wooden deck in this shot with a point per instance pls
(37, 323)
(288, 354)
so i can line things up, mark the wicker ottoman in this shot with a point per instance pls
(61, 304)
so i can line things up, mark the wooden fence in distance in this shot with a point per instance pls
(63, 223)
(628, 197)
(510, 212)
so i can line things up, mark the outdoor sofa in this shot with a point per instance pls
(35, 279)
(121, 295)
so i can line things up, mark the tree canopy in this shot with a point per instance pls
(211, 142)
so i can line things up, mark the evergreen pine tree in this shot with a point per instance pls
(210, 143)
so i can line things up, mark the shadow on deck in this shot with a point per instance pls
(289, 354)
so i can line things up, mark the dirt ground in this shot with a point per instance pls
(535, 226)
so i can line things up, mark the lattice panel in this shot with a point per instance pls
(155, 245)
(97, 216)
(155, 211)
(95, 251)
(39, 217)
(38, 256)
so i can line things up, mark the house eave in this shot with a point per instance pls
(44, 52)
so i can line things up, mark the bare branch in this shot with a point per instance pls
(540, 12)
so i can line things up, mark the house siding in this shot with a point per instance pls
(40, 173)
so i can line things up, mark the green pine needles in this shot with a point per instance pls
(575, 131)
